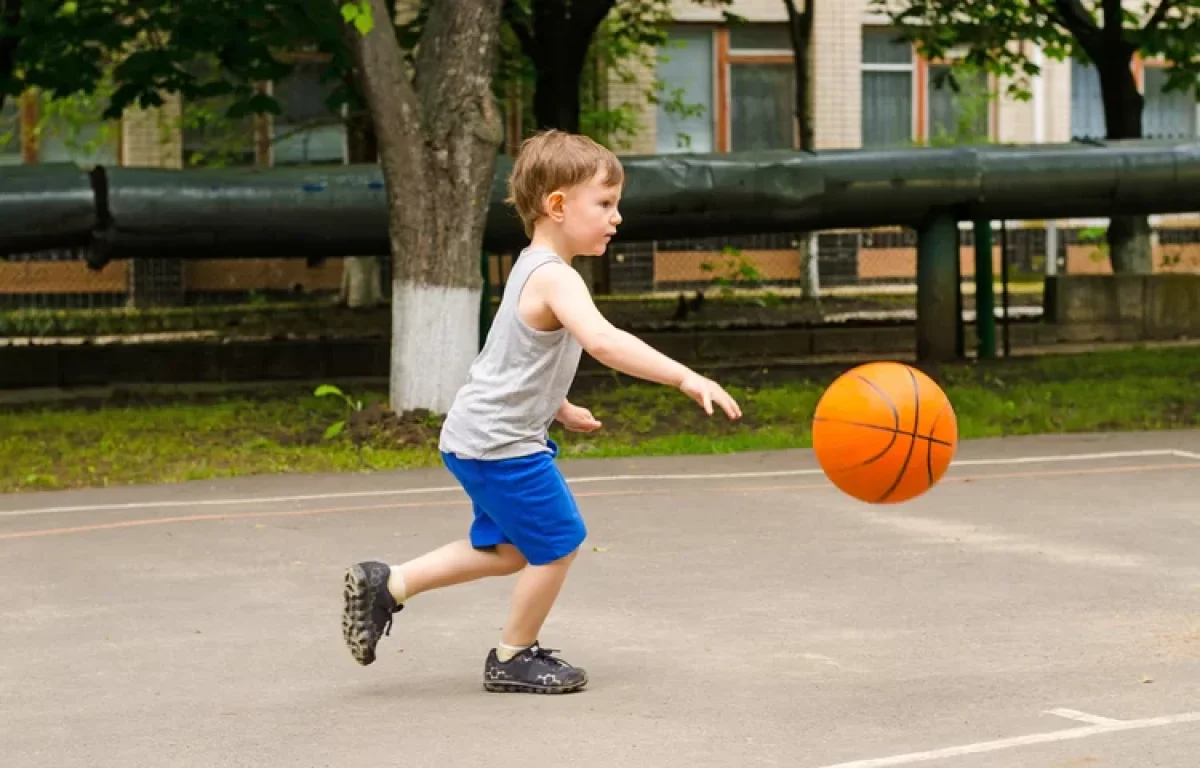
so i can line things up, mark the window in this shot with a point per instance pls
(762, 106)
(748, 39)
(67, 133)
(210, 137)
(307, 132)
(685, 113)
(1087, 105)
(727, 89)
(1167, 114)
(887, 89)
(762, 88)
(957, 117)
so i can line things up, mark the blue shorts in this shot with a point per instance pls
(524, 502)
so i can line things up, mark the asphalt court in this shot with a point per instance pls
(1040, 607)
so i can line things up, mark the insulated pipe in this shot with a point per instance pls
(342, 210)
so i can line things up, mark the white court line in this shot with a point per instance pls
(1083, 717)
(1022, 741)
(1187, 455)
(572, 481)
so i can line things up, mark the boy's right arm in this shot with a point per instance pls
(563, 290)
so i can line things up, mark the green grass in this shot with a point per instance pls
(163, 439)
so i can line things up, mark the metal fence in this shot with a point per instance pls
(829, 263)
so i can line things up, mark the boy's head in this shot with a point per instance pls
(571, 185)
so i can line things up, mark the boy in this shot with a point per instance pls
(495, 438)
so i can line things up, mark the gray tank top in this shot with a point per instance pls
(516, 384)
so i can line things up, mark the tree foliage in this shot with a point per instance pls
(997, 35)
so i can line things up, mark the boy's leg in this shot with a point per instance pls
(455, 563)
(530, 501)
(533, 596)
(520, 664)
(374, 591)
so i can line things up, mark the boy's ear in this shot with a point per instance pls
(554, 205)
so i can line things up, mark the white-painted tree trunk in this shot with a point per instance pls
(438, 135)
(435, 332)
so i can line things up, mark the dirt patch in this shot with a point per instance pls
(379, 426)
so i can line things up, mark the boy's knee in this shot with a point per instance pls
(511, 559)
(566, 559)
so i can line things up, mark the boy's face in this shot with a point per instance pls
(588, 215)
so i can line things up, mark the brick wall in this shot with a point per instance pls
(837, 53)
(633, 92)
(752, 10)
(149, 137)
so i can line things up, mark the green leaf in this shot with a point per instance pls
(335, 429)
(359, 14)
(328, 389)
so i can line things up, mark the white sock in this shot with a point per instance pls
(508, 652)
(396, 586)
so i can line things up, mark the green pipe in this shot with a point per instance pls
(938, 318)
(985, 300)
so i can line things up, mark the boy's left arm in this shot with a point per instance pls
(575, 418)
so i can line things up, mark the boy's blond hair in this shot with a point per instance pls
(554, 159)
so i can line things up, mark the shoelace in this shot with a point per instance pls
(387, 624)
(544, 655)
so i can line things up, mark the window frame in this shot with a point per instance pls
(1140, 65)
(727, 57)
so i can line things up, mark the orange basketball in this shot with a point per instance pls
(884, 433)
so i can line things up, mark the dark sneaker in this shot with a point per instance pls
(367, 612)
(533, 670)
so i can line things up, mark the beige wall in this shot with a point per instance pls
(151, 138)
(753, 10)
(837, 85)
(838, 90)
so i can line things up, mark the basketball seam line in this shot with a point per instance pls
(929, 445)
(878, 428)
(913, 435)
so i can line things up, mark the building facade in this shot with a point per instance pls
(730, 86)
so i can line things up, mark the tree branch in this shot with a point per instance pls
(1160, 14)
(593, 15)
(1076, 15)
(1051, 13)
(10, 15)
(389, 92)
(1114, 18)
(519, 24)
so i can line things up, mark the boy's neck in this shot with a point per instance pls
(551, 241)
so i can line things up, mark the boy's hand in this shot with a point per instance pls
(577, 419)
(707, 392)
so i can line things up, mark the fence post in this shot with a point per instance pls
(985, 300)
(938, 319)
(485, 298)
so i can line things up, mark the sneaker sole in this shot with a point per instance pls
(356, 615)
(512, 687)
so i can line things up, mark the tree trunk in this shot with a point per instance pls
(800, 25)
(556, 93)
(557, 40)
(438, 140)
(1128, 236)
(362, 276)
